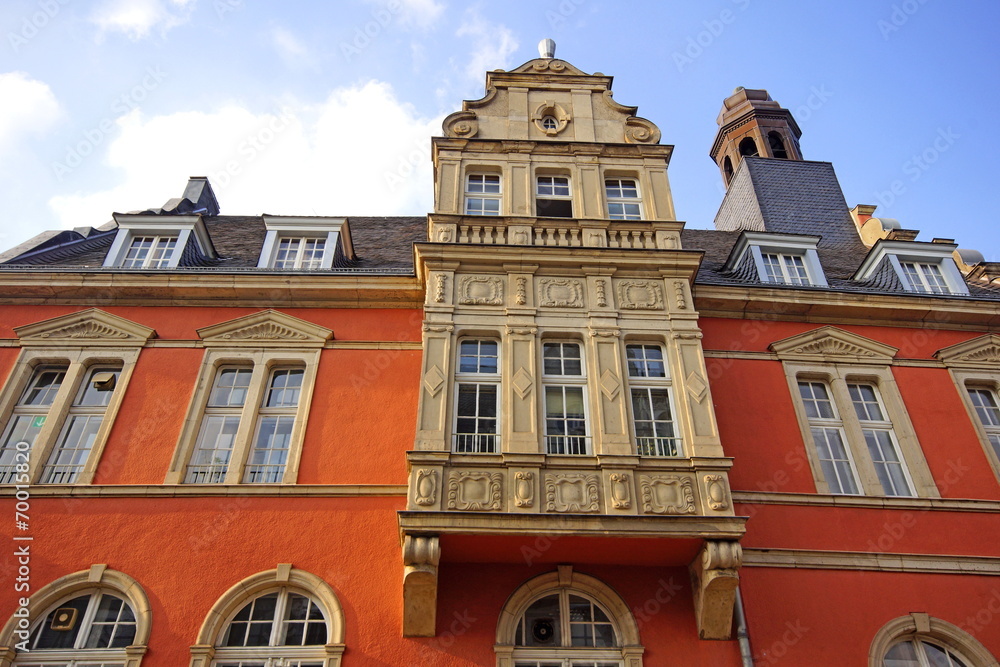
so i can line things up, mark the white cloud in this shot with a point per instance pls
(137, 18)
(291, 50)
(360, 152)
(492, 44)
(419, 13)
(30, 107)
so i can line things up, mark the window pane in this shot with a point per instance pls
(46, 637)
(541, 623)
(284, 390)
(836, 466)
(478, 356)
(231, 387)
(901, 655)
(270, 451)
(43, 386)
(645, 361)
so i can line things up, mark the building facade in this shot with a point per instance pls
(545, 425)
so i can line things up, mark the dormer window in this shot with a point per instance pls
(150, 252)
(913, 266)
(780, 259)
(147, 241)
(305, 244)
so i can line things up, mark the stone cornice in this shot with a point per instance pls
(870, 561)
(866, 502)
(833, 307)
(209, 288)
(209, 490)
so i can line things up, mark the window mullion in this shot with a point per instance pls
(248, 422)
(854, 439)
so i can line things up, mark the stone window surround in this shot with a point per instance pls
(479, 379)
(914, 251)
(183, 226)
(837, 369)
(97, 577)
(482, 170)
(112, 341)
(975, 364)
(263, 362)
(334, 230)
(758, 243)
(623, 175)
(283, 576)
(920, 625)
(565, 578)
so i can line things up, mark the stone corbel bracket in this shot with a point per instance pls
(421, 555)
(714, 577)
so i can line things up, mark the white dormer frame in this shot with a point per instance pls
(183, 226)
(897, 252)
(334, 230)
(760, 243)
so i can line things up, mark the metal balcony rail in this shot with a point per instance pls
(567, 444)
(264, 474)
(476, 443)
(60, 474)
(206, 474)
(653, 446)
(8, 474)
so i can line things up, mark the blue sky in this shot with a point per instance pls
(326, 108)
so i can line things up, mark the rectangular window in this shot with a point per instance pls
(553, 198)
(29, 416)
(652, 417)
(828, 438)
(623, 199)
(880, 440)
(478, 398)
(482, 194)
(80, 430)
(565, 399)
(985, 403)
(149, 252)
(210, 460)
(299, 253)
(785, 269)
(274, 428)
(925, 278)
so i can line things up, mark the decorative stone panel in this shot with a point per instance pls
(716, 492)
(571, 492)
(481, 291)
(475, 491)
(667, 494)
(524, 489)
(425, 488)
(560, 293)
(640, 295)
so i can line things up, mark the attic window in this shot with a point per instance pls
(304, 244)
(157, 241)
(779, 259)
(150, 252)
(922, 268)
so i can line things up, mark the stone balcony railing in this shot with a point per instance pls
(555, 232)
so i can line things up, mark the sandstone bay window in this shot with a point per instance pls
(623, 199)
(477, 397)
(230, 415)
(482, 194)
(553, 197)
(564, 379)
(83, 423)
(652, 414)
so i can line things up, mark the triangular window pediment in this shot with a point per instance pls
(268, 327)
(830, 344)
(978, 352)
(91, 327)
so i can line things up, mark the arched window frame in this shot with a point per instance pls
(206, 651)
(743, 150)
(921, 626)
(97, 578)
(628, 653)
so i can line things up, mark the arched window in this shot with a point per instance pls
(748, 147)
(566, 619)
(777, 145)
(919, 640)
(279, 618)
(727, 167)
(93, 617)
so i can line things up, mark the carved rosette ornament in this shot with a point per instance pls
(524, 489)
(640, 295)
(560, 293)
(481, 291)
(667, 494)
(425, 489)
(571, 492)
(475, 491)
(621, 496)
(715, 492)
